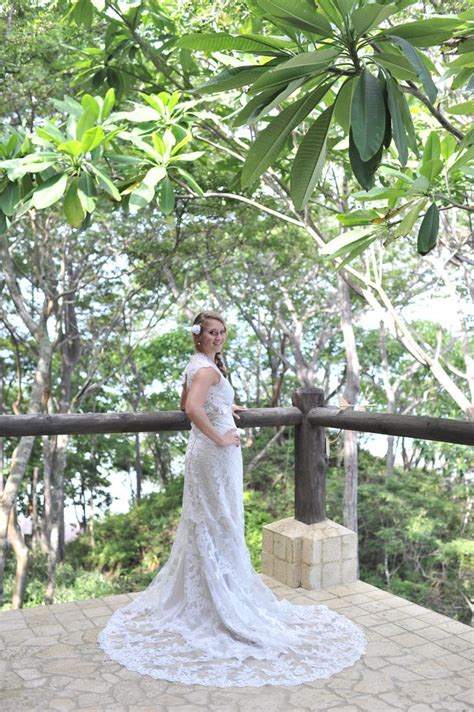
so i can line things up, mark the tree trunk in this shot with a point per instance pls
(18, 544)
(351, 392)
(34, 510)
(390, 393)
(138, 467)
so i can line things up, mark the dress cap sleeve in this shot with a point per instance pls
(196, 362)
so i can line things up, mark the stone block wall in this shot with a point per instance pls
(313, 556)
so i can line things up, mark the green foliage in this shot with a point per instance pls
(72, 157)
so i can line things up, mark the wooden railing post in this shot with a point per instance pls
(310, 459)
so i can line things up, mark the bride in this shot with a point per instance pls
(207, 618)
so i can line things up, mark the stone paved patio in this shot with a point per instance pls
(416, 661)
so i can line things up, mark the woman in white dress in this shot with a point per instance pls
(207, 618)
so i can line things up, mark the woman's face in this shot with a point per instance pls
(213, 335)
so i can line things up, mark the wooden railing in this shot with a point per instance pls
(308, 415)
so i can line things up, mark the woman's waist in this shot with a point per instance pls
(221, 422)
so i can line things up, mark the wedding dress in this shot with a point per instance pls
(207, 618)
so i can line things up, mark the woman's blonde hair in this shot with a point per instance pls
(200, 318)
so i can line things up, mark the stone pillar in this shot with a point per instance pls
(312, 556)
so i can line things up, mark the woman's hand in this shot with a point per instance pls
(236, 408)
(230, 437)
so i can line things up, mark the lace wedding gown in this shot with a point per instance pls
(207, 618)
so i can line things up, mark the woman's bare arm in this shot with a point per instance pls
(194, 402)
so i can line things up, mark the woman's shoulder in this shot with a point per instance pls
(198, 360)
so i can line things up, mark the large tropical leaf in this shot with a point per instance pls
(166, 196)
(397, 65)
(50, 191)
(304, 64)
(398, 126)
(309, 159)
(368, 16)
(298, 13)
(368, 116)
(426, 33)
(342, 106)
(232, 78)
(364, 171)
(418, 66)
(222, 41)
(271, 141)
(264, 102)
(73, 208)
(428, 231)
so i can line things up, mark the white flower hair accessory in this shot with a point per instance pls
(196, 328)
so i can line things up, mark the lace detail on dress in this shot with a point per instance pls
(207, 618)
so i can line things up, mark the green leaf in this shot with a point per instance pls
(232, 78)
(222, 41)
(192, 183)
(68, 105)
(92, 138)
(419, 185)
(304, 64)
(342, 106)
(309, 159)
(431, 169)
(368, 16)
(408, 123)
(73, 208)
(50, 132)
(270, 142)
(408, 222)
(364, 171)
(332, 12)
(379, 194)
(166, 196)
(428, 231)
(367, 116)
(465, 107)
(342, 243)
(464, 60)
(108, 104)
(264, 102)
(398, 126)
(50, 191)
(426, 33)
(72, 148)
(462, 78)
(358, 217)
(463, 159)
(397, 64)
(89, 103)
(86, 121)
(154, 175)
(87, 192)
(9, 198)
(141, 196)
(106, 183)
(192, 156)
(357, 247)
(420, 69)
(448, 146)
(298, 13)
(432, 147)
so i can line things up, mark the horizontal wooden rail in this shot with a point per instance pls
(308, 415)
(411, 426)
(156, 421)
